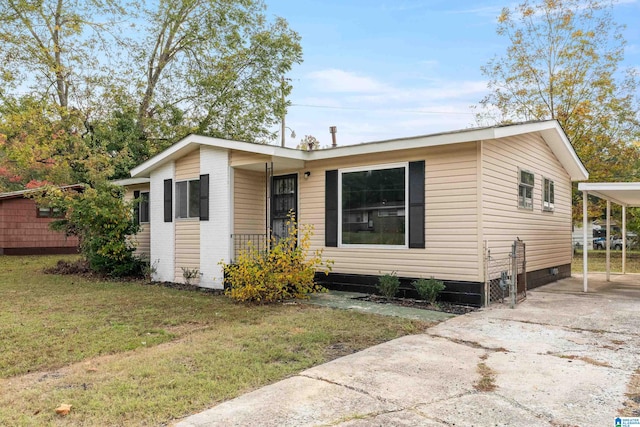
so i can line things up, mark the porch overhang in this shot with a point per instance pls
(625, 194)
(279, 164)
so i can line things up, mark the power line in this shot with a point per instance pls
(331, 107)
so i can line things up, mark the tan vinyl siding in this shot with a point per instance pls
(546, 234)
(249, 211)
(451, 220)
(142, 240)
(188, 167)
(241, 158)
(187, 237)
(187, 246)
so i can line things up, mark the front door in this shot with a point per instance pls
(284, 199)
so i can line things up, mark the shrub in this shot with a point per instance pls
(103, 222)
(286, 271)
(428, 289)
(388, 285)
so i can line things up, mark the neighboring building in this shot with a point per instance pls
(24, 227)
(421, 207)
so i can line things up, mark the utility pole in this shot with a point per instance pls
(284, 113)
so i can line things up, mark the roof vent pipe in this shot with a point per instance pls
(333, 130)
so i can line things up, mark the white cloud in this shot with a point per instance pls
(334, 80)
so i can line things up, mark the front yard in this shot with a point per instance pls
(132, 353)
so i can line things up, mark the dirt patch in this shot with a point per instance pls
(444, 307)
(586, 360)
(79, 267)
(487, 381)
(632, 404)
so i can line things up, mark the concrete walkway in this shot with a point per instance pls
(561, 358)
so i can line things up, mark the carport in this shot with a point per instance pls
(625, 194)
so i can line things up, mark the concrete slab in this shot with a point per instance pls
(298, 401)
(393, 419)
(407, 371)
(564, 391)
(560, 358)
(480, 409)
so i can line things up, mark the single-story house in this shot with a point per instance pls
(424, 206)
(24, 226)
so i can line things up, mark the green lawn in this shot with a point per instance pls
(597, 261)
(131, 353)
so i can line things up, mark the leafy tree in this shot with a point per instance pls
(125, 79)
(50, 46)
(103, 222)
(214, 67)
(41, 142)
(563, 62)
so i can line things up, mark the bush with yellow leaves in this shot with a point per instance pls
(286, 271)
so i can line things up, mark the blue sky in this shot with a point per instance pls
(381, 69)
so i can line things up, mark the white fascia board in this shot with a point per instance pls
(556, 139)
(621, 193)
(403, 144)
(131, 181)
(550, 131)
(191, 142)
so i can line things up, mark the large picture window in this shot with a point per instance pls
(188, 199)
(373, 206)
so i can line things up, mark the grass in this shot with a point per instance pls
(487, 380)
(597, 261)
(129, 353)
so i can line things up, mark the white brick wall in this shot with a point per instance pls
(215, 234)
(162, 241)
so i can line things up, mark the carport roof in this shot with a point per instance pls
(621, 193)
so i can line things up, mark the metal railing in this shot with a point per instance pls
(244, 242)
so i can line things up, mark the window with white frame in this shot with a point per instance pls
(143, 207)
(547, 194)
(373, 205)
(188, 199)
(525, 189)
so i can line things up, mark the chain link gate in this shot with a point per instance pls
(506, 276)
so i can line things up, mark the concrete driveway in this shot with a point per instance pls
(561, 358)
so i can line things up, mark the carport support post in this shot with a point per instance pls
(624, 238)
(608, 242)
(585, 220)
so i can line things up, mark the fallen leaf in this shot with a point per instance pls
(63, 409)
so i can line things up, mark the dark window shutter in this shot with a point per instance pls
(168, 200)
(331, 208)
(204, 197)
(416, 204)
(136, 208)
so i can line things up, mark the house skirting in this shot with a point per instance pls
(39, 251)
(544, 276)
(457, 292)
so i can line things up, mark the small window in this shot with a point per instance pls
(547, 195)
(525, 189)
(45, 212)
(188, 199)
(144, 207)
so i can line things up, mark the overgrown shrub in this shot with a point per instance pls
(388, 285)
(286, 271)
(103, 221)
(428, 289)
